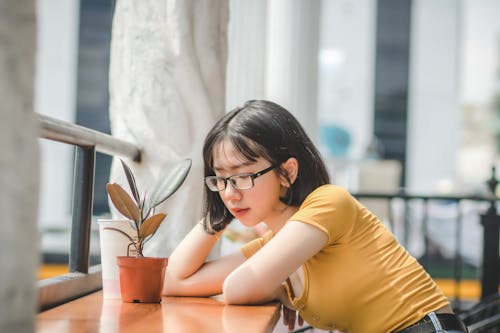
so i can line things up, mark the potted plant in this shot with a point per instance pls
(141, 278)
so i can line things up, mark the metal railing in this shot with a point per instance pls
(489, 220)
(81, 278)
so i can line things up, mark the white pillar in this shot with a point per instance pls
(55, 96)
(292, 58)
(480, 88)
(346, 69)
(433, 104)
(167, 88)
(246, 66)
(19, 167)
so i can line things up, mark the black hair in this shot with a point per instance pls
(262, 129)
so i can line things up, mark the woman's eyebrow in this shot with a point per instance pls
(232, 167)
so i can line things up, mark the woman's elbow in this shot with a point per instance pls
(232, 293)
(175, 286)
(236, 292)
(178, 272)
(170, 285)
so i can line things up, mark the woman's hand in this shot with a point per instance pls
(190, 274)
(290, 316)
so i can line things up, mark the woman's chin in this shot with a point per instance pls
(248, 222)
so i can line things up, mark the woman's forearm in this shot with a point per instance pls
(188, 271)
(192, 252)
(239, 289)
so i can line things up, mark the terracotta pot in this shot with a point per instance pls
(141, 279)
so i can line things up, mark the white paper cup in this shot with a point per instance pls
(113, 244)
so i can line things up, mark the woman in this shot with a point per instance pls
(325, 255)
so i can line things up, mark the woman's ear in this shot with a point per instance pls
(291, 168)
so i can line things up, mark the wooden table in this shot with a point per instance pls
(92, 313)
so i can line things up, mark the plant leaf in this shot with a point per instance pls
(145, 212)
(131, 182)
(147, 209)
(170, 183)
(122, 232)
(151, 225)
(123, 202)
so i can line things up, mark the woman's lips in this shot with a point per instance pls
(239, 212)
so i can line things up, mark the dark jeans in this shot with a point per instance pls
(437, 322)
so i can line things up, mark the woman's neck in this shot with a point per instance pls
(278, 221)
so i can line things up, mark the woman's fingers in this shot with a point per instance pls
(291, 320)
(300, 320)
(285, 315)
(289, 317)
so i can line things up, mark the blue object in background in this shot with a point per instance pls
(336, 138)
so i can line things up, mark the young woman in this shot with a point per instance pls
(325, 255)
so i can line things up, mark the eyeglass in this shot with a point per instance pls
(242, 181)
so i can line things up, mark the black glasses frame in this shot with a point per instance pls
(233, 181)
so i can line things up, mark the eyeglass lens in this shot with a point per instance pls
(240, 182)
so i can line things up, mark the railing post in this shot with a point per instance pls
(491, 261)
(82, 209)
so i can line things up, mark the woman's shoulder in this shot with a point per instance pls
(328, 190)
(329, 196)
(331, 208)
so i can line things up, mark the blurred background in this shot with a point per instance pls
(398, 94)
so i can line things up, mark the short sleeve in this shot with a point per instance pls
(331, 209)
(250, 248)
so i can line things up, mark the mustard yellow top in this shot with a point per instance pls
(363, 280)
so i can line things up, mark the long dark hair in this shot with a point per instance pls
(263, 129)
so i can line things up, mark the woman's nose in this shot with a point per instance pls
(230, 192)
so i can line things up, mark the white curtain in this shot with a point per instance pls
(167, 88)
